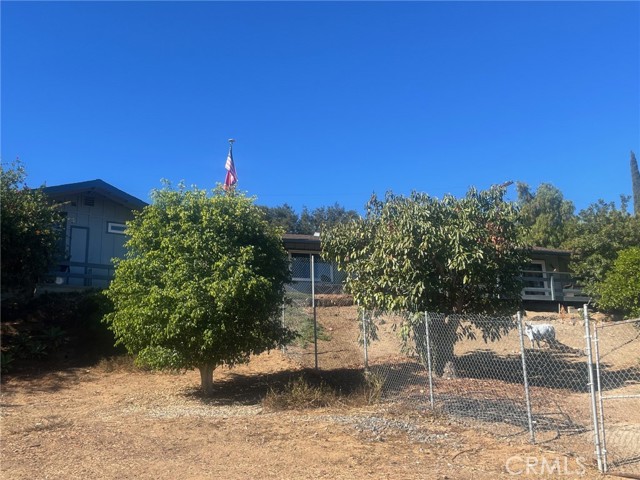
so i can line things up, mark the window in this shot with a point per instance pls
(117, 228)
(301, 268)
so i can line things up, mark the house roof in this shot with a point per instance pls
(551, 251)
(312, 242)
(97, 187)
(295, 241)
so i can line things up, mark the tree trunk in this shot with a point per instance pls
(443, 336)
(206, 378)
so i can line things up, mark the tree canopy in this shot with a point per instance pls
(308, 222)
(599, 233)
(202, 282)
(546, 215)
(419, 253)
(283, 216)
(620, 289)
(30, 231)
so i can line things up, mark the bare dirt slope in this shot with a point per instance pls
(93, 423)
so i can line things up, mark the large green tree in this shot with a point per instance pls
(600, 232)
(413, 254)
(620, 289)
(30, 231)
(546, 215)
(309, 221)
(324, 217)
(202, 282)
(283, 216)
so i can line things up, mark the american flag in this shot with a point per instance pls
(232, 177)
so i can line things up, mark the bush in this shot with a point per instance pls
(30, 232)
(337, 389)
(55, 325)
(620, 290)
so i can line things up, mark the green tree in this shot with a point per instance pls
(635, 184)
(283, 216)
(546, 215)
(600, 232)
(418, 253)
(308, 222)
(620, 290)
(29, 231)
(324, 217)
(202, 282)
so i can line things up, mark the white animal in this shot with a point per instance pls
(543, 331)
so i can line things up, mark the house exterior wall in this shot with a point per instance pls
(87, 235)
(548, 279)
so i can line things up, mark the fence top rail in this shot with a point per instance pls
(67, 263)
(621, 322)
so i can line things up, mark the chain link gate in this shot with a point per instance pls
(616, 348)
(314, 282)
(483, 370)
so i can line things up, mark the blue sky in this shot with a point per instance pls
(328, 101)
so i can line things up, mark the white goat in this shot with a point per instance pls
(536, 333)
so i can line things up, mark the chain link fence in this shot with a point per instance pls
(315, 284)
(543, 377)
(564, 381)
(617, 357)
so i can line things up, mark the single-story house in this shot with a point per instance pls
(94, 215)
(547, 278)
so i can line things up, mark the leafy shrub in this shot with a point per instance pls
(620, 290)
(39, 328)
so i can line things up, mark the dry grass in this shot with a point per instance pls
(118, 364)
(305, 392)
(299, 394)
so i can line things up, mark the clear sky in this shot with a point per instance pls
(328, 101)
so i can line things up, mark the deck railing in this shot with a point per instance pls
(81, 274)
(552, 286)
(540, 286)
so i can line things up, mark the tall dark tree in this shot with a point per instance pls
(283, 216)
(29, 231)
(546, 215)
(635, 184)
(323, 217)
(600, 232)
(309, 221)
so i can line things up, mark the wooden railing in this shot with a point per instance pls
(80, 274)
(540, 286)
(552, 286)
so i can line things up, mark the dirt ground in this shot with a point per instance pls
(92, 423)
(113, 422)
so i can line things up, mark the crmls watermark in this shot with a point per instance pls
(518, 465)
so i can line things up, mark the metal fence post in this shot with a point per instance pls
(527, 397)
(364, 341)
(284, 347)
(426, 332)
(592, 389)
(313, 304)
(603, 450)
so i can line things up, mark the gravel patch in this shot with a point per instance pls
(379, 429)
